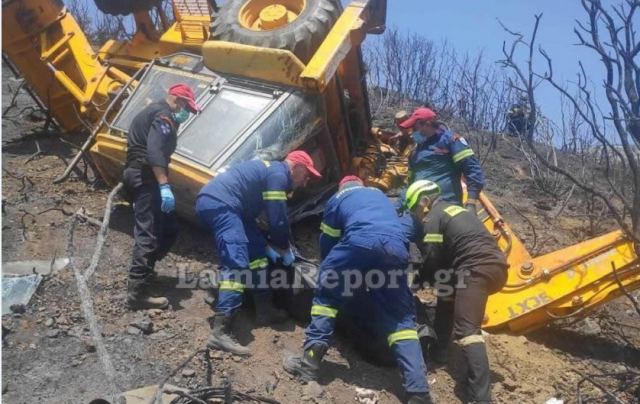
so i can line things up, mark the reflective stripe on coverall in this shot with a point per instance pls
(360, 231)
(228, 206)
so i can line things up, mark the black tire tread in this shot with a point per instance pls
(302, 37)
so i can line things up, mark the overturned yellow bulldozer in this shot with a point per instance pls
(272, 77)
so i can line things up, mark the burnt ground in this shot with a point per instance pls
(48, 355)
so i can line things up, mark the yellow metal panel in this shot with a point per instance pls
(187, 178)
(274, 65)
(346, 33)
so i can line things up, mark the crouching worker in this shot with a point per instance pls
(150, 143)
(228, 206)
(455, 238)
(361, 234)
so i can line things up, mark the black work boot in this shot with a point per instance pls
(307, 366)
(438, 353)
(222, 339)
(479, 378)
(138, 296)
(266, 312)
(443, 324)
(419, 398)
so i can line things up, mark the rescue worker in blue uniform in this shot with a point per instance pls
(229, 206)
(443, 157)
(361, 232)
(150, 143)
(455, 241)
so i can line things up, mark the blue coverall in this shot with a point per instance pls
(443, 158)
(361, 231)
(229, 206)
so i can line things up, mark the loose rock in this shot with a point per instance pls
(88, 344)
(145, 325)
(53, 333)
(50, 322)
(131, 330)
(188, 372)
(214, 354)
(270, 385)
(367, 396)
(18, 308)
(590, 327)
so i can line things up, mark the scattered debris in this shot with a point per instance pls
(589, 327)
(367, 396)
(18, 308)
(17, 291)
(143, 395)
(34, 267)
(145, 325)
(554, 400)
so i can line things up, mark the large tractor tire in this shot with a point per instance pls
(124, 7)
(296, 25)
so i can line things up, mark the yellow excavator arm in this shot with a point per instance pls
(565, 283)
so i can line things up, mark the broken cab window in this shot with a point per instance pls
(222, 120)
(292, 123)
(154, 86)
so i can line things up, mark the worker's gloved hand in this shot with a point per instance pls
(288, 257)
(168, 200)
(471, 207)
(272, 254)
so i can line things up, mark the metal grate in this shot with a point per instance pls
(195, 8)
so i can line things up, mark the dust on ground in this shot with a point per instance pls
(48, 355)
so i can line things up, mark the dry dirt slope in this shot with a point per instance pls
(48, 356)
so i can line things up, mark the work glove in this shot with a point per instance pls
(168, 204)
(471, 207)
(288, 257)
(272, 254)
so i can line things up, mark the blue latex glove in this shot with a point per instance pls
(168, 200)
(288, 258)
(272, 254)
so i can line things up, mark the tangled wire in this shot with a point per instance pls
(200, 395)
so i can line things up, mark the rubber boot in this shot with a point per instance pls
(443, 324)
(419, 398)
(222, 339)
(138, 297)
(438, 353)
(478, 378)
(266, 312)
(307, 366)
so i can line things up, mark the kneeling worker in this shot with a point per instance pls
(361, 232)
(229, 206)
(455, 238)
